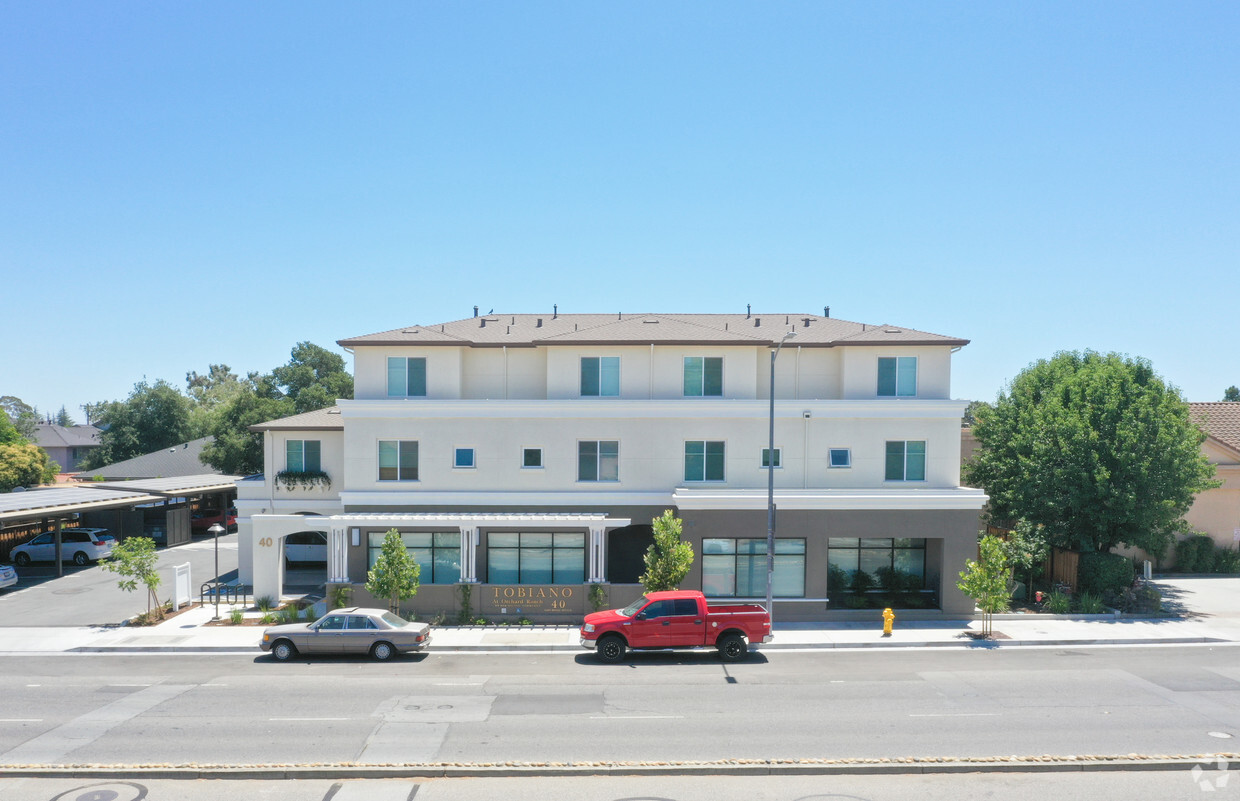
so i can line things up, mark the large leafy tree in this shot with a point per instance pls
(208, 395)
(154, 416)
(1232, 393)
(22, 463)
(312, 379)
(1094, 448)
(22, 415)
(668, 558)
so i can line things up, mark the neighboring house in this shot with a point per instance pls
(177, 460)
(1217, 511)
(67, 446)
(525, 456)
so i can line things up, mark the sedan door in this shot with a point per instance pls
(359, 635)
(327, 636)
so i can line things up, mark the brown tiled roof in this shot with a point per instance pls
(327, 419)
(1220, 420)
(528, 330)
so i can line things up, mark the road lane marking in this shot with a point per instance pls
(637, 717)
(21, 720)
(53, 746)
(458, 684)
(305, 720)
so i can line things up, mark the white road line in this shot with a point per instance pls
(637, 717)
(458, 684)
(303, 720)
(21, 720)
(128, 685)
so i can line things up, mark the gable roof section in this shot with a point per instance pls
(53, 436)
(530, 330)
(326, 419)
(178, 460)
(1220, 420)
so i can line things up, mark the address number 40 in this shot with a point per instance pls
(265, 542)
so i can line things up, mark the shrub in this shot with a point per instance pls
(1194, 554)
(598, 597)
(1226, 560)
(235, 617)
(1058, 603)
(1104, 573)
(340, 595)
(269, 618)
(1090, 604)
(265, 603)
(1148, 599)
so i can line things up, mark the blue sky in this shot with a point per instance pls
(183, 184)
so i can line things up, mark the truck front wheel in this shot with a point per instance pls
(611, 649)
(733, 648)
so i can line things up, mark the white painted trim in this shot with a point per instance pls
(680, 408)
(352, 499)
(702, 499)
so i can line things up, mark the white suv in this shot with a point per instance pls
(78, 545)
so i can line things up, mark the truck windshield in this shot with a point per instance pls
(632, 608)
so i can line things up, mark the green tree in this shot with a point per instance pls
(1094, 448)
(1025, 550)
(668, 559)
(63, 418)
(969, 418)
(395, 575)
(208, 394)
(1232, 393)
(22, 463)
(135, 560)
(22, 415)
(985, 580)
(312, 379)
(153, 417)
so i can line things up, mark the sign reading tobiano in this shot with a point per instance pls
(523, 599)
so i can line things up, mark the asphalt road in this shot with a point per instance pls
(1163, 785)
(233, 710)
(88, 596)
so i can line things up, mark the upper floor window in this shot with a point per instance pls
(600, 376)
(906, 460)
(406, 377)
(840, 457)
(463, 457)
(598, 461)
(766, 458)
(531, 457)
(398, 460)
(703, 377)
(703, 461)
(303, 456)
(897, 376)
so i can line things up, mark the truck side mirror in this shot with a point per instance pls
(641, 615)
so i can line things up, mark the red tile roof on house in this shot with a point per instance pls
(1220, 420)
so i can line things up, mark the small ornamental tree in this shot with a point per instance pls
(134, 559)
(668, 559)
(1026, 550)
(395, 575)
(985, 580)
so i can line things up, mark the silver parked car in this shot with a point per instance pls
(348, 631)
(8, 576)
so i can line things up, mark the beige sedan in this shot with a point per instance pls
(348, 631)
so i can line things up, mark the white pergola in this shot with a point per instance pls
(344, 530)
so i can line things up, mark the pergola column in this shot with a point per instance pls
(597, 552)
(469, 554)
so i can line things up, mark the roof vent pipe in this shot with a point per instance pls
(757, 322)
(539, 323)
(748, 311)
(826, 311)
(555, 311)
(475, 311)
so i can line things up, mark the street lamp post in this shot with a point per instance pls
(770, 488)
(216, 530)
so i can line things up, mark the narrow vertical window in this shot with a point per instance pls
(766, 458)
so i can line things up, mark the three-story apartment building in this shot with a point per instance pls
(525, 456)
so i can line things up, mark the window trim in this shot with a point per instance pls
(896, 393)
(541, 463)
(599, 375)
(905, 461)
(779, 458)
(831, 465)
(598, 462)
(684, 373)
(705, 456)
(399, 443)
(456, 457)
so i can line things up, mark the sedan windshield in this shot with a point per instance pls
(632, 608)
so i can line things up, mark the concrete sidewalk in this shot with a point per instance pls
(189, 632)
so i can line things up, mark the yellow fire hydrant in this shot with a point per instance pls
(889, 617)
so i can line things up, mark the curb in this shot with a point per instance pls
(809, 646)
(738, 767)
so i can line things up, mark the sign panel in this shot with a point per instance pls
(523, 599)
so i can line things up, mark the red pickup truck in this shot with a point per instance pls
(676, 619)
